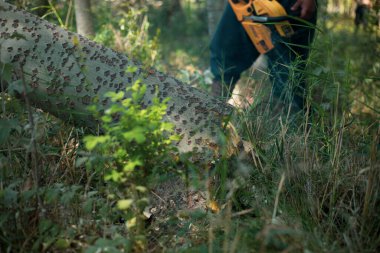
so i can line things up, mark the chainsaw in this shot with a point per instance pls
(256, 15)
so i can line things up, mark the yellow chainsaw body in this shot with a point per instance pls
(259, 33)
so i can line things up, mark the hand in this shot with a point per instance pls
(308, 8)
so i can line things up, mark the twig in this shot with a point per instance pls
(372, 177)
(33, 150)
(12, 149)
(155, 194)
(2, 90)
(244, 212)
(68, 14)
(280, 185)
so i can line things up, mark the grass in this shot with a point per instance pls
(301, 189)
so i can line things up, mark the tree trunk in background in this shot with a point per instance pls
(214, 12)
(65, 72)
(83, 18)
(172, 8)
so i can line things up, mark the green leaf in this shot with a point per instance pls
(114, 176)
(143, 202)
(131, 165)
(91, 249)
(4, 217)
(52, 194)
(131, 222)
(62, 243)
(115, 96)
(136, 86)
(106, 118)
(6, 71)
(167, 126)
(124, 204)
(175, 138)
(92, 108)
(67, 197)
(136, 134)
(126, 102)
(92, 141)
(109, 245)
(27, 195)
(45, 225)
(80, 161)
(6, 126)
(131, 69)
(8, 197)
(141, 188)
(92, 193)
(70, 194)
(17, 87)
(88, 205)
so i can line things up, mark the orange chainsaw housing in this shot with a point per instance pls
(260, 33)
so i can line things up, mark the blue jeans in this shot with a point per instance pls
(232, 52)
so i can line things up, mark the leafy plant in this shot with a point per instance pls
(136, 145)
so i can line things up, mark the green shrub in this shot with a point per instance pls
(136, 146)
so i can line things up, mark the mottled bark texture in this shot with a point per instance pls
(66, 72)
(83, 18)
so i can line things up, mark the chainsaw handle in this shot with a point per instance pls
(265, 19)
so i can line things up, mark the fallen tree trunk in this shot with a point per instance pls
(66, 72)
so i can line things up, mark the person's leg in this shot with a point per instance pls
(365, 14)
(360, 16)
(287, 62)
(302, 45)
(232, 52)
(357, 18)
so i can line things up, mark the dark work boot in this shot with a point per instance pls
(218, 89)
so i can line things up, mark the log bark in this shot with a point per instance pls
(66, 72)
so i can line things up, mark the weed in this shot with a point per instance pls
(136, 146)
